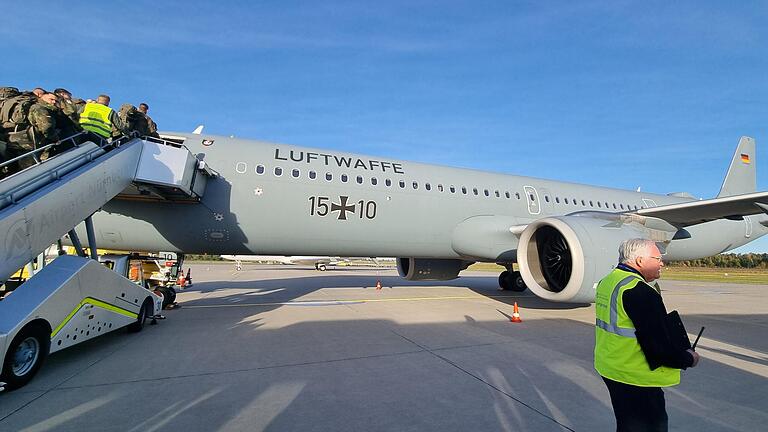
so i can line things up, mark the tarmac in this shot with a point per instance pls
(286, 348)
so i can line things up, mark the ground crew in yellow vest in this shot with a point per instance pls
(634, 352)
(99, 118)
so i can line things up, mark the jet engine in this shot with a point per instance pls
(430, 269)
(562, 258)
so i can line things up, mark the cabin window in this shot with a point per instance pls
(517, 195)
(506, 194)
(440, 187)
(344, 178)
(428, 186)
(278, 171)
(474, 190)
(486, 193)
(566, 200)
(598, 204)
(464, 190)
(402, 184)
(415, 185)
(453, 189)
(312, 175)
(259, 169)
(374, 181)
(388, 182)
(359, 179)
(546, 198)
(328, 176)
(295, 173)
(557, 200)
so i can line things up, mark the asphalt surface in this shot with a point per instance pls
(285, 348)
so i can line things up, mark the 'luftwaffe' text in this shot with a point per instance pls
(340, 161)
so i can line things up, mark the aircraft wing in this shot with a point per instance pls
(696, 212)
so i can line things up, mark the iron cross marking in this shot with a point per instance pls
(342, 208)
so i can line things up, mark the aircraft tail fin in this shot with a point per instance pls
(741, 177)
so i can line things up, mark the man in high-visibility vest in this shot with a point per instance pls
(634, 350)
(97, 117)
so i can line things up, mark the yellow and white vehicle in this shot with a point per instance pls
(75, 298)
(71, 300)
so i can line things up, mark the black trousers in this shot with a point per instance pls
(637, 408)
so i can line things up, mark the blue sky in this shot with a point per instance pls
(616, 93)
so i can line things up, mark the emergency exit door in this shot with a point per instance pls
(532, 198)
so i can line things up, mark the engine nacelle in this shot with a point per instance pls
(430, 269)
(562, 258)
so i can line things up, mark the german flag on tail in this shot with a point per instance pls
(745, 158)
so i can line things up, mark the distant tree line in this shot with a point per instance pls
(731, 260)
(203, 257)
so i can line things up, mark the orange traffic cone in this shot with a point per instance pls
(180, 281)
(515, 315)
(378, 284)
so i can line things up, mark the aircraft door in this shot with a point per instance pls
(532, 198)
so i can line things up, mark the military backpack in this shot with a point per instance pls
(8, 92)
(14, 110)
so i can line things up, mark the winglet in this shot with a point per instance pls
(741, 177)
(198, 130)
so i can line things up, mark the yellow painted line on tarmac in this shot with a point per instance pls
(335, 302)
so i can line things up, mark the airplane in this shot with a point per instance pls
(320, 262)
(278, 199)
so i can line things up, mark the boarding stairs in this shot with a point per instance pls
(45, 202)
(75, 298)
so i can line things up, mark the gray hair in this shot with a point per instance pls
(631, 249)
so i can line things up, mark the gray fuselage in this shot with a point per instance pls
(265, 202)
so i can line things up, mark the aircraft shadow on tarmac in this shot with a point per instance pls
(359, 374)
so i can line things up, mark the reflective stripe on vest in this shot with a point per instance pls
(612, 326)
(95, 118)
(618, 355)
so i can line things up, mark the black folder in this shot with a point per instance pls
(677, 332)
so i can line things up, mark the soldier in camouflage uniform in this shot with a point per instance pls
(50, 124)
(15, 129)
(133, 120)
(66, 104)
(151, 125)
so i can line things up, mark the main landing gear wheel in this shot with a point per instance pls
(512, 281)
(25, 355)
(169, 295)
(321, 267)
